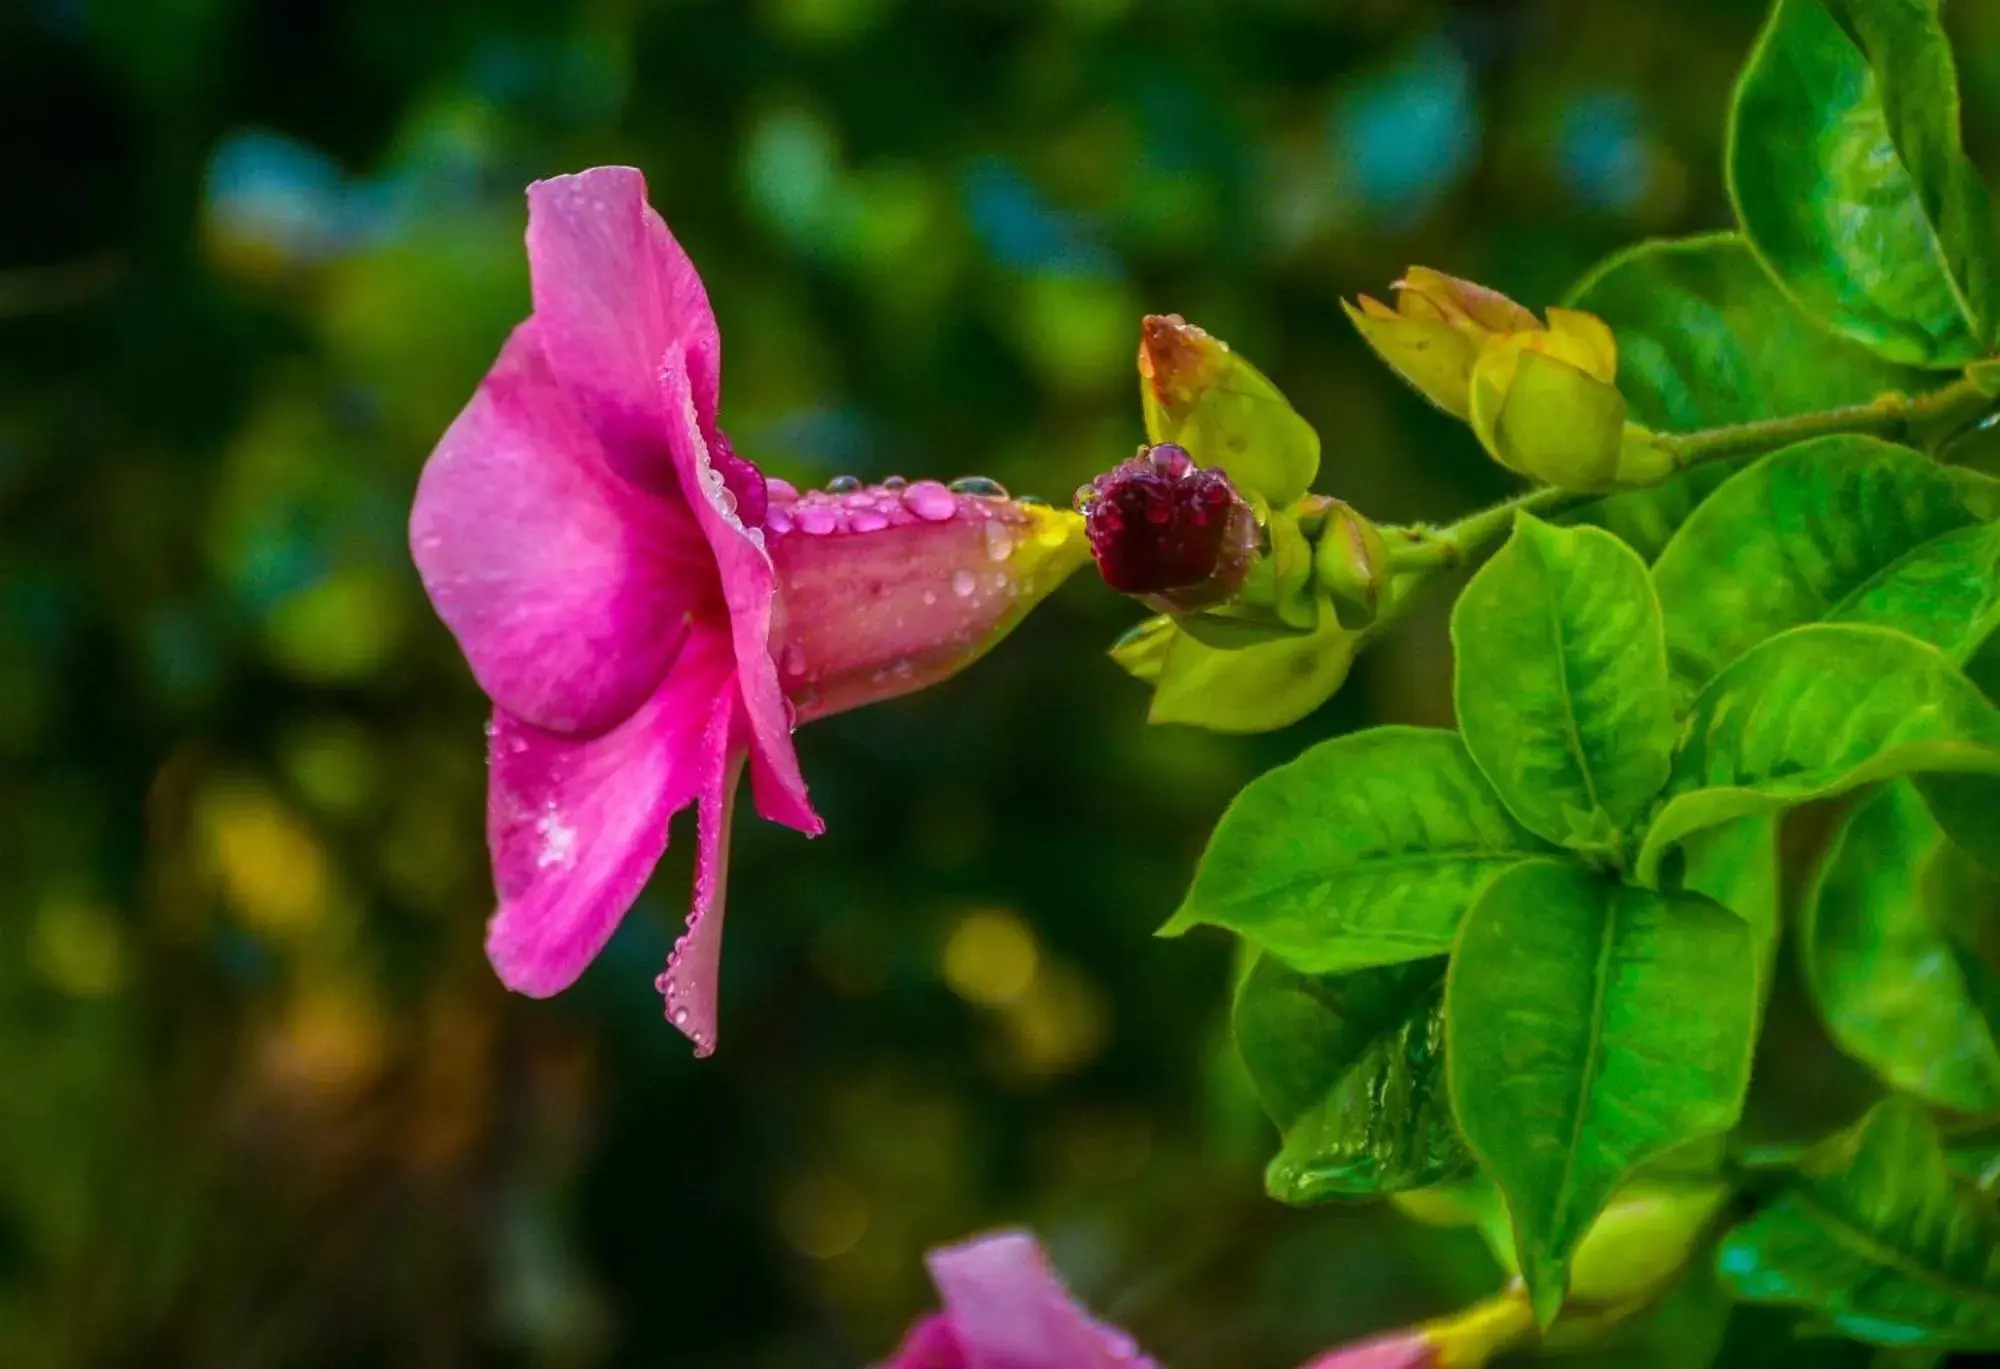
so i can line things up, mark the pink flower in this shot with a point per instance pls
(1005, 1308)
(650, 615)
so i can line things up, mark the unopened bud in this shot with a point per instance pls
(1350, 565)
(1200, 395)
(1170, 532)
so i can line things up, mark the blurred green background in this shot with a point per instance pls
(261, 1101)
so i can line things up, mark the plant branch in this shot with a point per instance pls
(1423, 555)
(1889, 415)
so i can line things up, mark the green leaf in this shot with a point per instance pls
(1736, 864)
(1880, 964)
(1945, 592)
(1363, 851)
(1646, 519)
(1877, 1237)
(1848, 177)
(1590, 1027)
(1561, 682)
(1705, 338)
(1786, 540)
(1251, 688)
(1351, 1068)
(1815, 712)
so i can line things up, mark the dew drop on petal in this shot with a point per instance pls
(557, 848)
(930, 501)
(999, 541)
(793, 659)
(962, 584)
(816, 519)
(930, 597)
(980, 485)
(780, 490)
(843, 484)
(895, 482)
(867, 520)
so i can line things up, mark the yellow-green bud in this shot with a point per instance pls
(1350, 565)
(1199, 395)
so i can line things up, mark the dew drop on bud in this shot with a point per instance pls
(930, 501)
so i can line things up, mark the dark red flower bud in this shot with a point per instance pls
(1169, 531)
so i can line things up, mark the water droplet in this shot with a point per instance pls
(491, 728)
(1000, 580)
(680, 1017)
(962, 584)
(780, 490)
(867, 520)
(703, 1047)
(930, 501)
(930, 597)
(1032, 501)
(557, 838)
(725, 499)
(778, 521)
(817, 519)
(895, 482)
(792, 659)
(999, 541)
(980, 485)
(901, 670)
(663, 983)
(843, 484)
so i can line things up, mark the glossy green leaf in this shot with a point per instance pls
(1365, 850)
(1254, 688)
(1561, 682)
(1705, 338)
(1590, 1027)
(1878, 960)
(1815, 712)
(1787, 539)
(1849, 180)
(1351, 1068)
(1646, 519)
(1946, 592)
(1877, 1237)
(1736, 864)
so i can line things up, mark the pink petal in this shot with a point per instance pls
(576, 827)
(563, 584)
(1397, 1350)
(1011, 1311)
(898, 594)
(931, 1344)
(692, 979)
(617, 297)
(748, 586)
